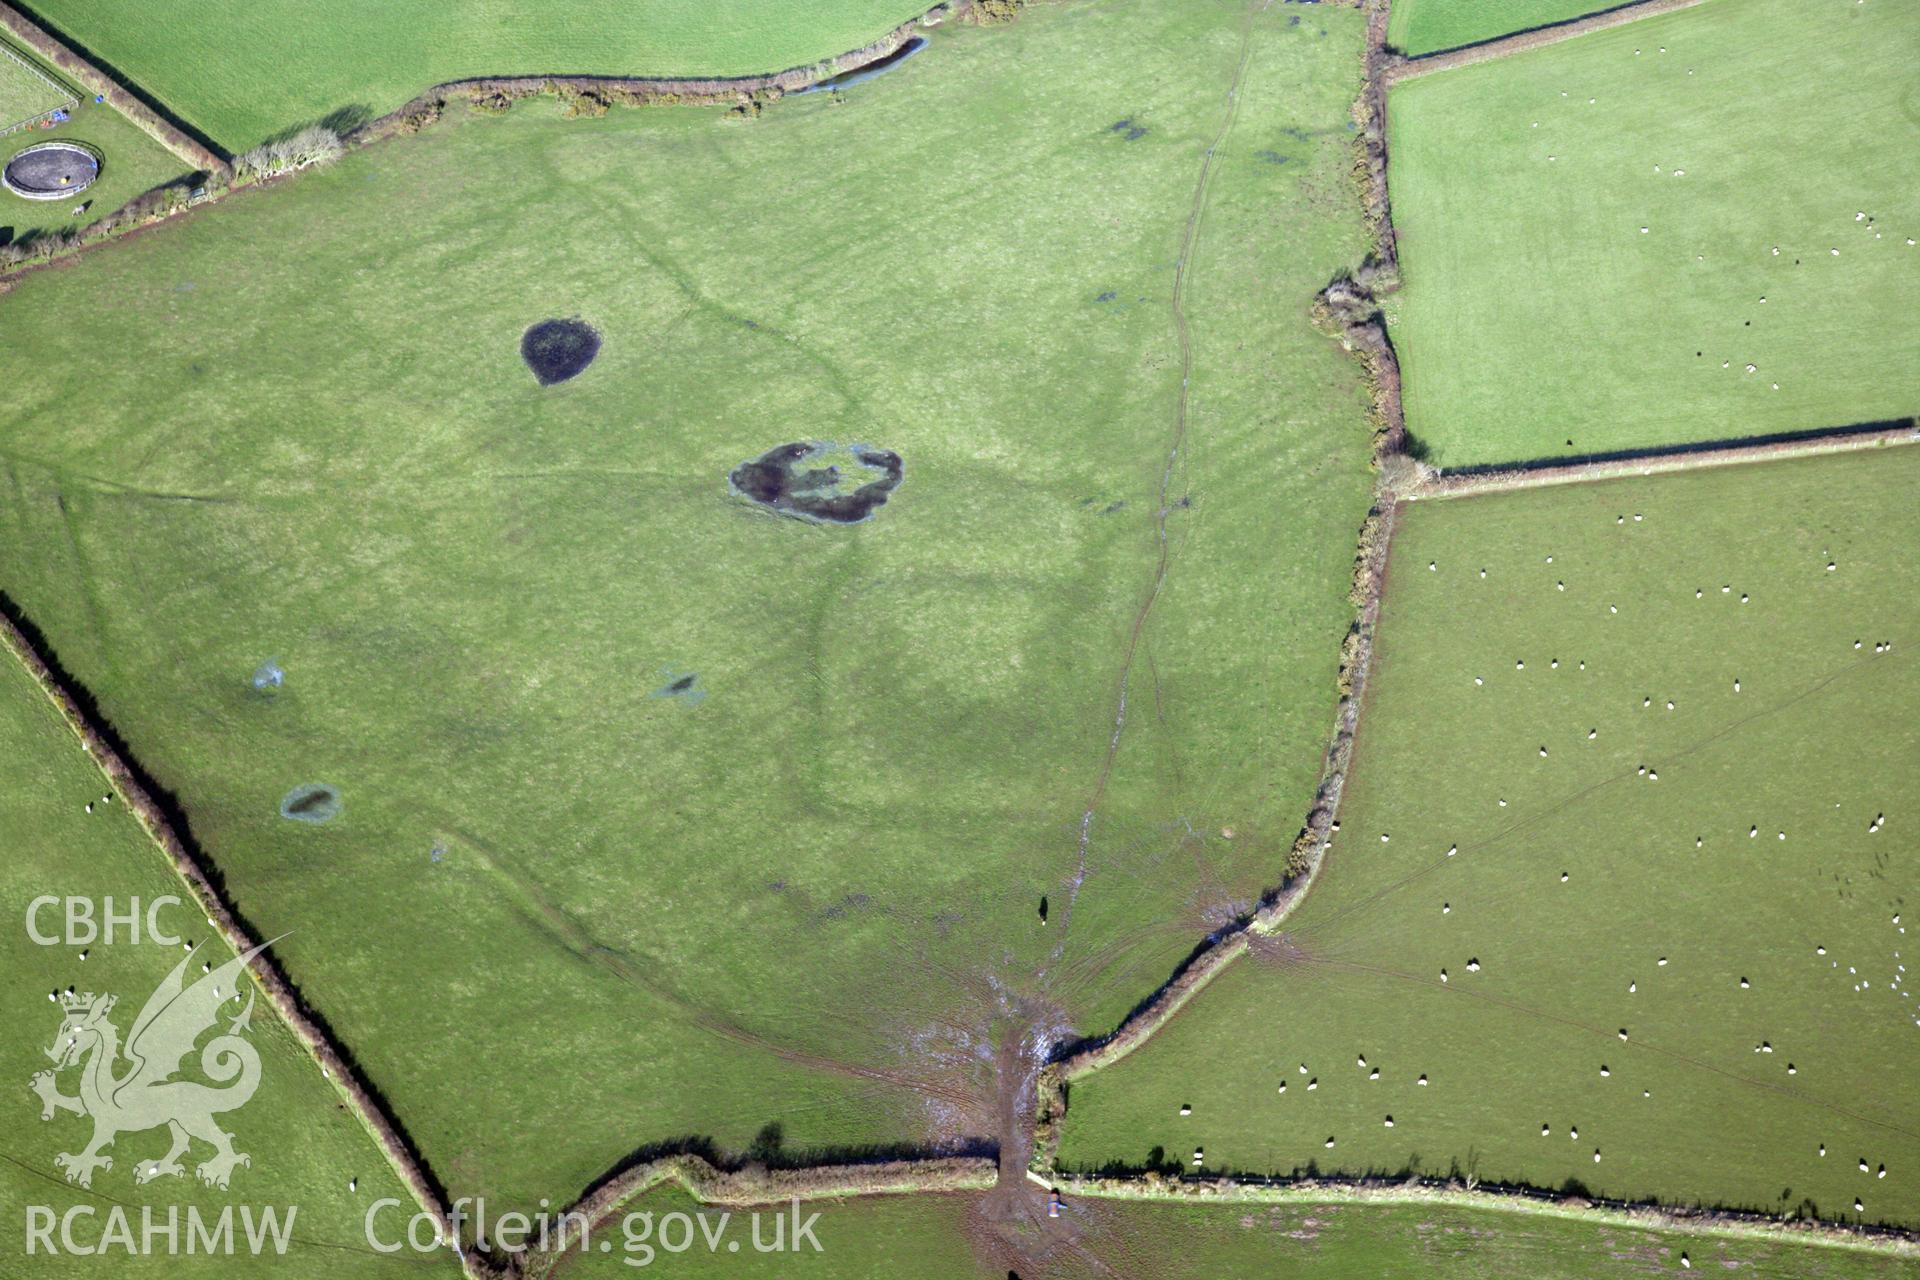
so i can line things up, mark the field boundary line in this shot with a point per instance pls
(169, 133)
(1505, 1198)
(756, 1185)
(1473, 481)
(1349, 310)
(1404, 67)
(101, 744)
(747, 94)
(661, 90)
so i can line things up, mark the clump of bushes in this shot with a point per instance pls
(990, 11)
(581, 103)
(315, 144)
(1352, 300)
(42, 247)
(420, 115)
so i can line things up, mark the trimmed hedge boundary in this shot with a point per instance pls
(1469, 481)
(582, 96)
(1501, 1198)
(593, 95)
(1400, 67)
(167, 133)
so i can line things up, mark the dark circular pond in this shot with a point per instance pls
(559, 349)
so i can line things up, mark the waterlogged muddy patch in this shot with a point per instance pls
(559, 349)
(311, 802)
(819, 480)
(682, 687)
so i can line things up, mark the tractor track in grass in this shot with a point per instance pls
(1224, 945)
(1183, 339)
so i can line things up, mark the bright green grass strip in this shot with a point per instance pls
(240, 70)
(1817, 742)
(1536, 312)
(131, 163)
(27, 90)
(1425, 26)
(297, 426)
(304, 1145)
(948, 1237)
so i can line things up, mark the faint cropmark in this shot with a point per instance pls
(130, 1087)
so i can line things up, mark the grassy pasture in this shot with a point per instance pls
(1817, 742)
(1426, 26)
(240, 70)
(304, 1144)
(296, 426)
(1536, 312)
(26, 89)
(131, 163)
(945, 1237)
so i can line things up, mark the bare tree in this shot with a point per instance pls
(315, 144)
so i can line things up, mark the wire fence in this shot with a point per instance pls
(61, 98)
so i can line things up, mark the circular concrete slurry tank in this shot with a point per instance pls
(51, 170)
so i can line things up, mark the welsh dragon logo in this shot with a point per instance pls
(144, 1094)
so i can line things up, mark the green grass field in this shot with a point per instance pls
(946, 1238)
(1426, 26)
(1595, 898)
(304, 1145)
(27, 90)
(296, 426)
(1537, 312)
(240, 70)
(131, 163)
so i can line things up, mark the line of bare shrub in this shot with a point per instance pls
(314, 145)
(94, 80)
(99, 742)
(756, 1184)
